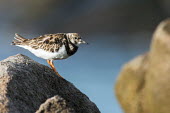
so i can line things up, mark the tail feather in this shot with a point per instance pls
(18, 39)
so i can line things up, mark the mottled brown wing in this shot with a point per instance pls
(48, 42)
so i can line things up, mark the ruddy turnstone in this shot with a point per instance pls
(51, 46)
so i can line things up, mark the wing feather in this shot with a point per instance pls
(48, 42)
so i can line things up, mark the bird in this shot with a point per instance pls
(51, 46)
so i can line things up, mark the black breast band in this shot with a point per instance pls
(68, 43)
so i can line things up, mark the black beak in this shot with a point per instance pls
(83, 42)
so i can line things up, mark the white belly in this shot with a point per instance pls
(61, 54)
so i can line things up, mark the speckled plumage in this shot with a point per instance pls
(49, 42)
(51, 46)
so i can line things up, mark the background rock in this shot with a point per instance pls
(143, 85)
(26, 84)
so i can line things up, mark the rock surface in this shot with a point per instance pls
(143, 85)
(26, 84)
(55, 104)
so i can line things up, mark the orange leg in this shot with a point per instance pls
(50, 62)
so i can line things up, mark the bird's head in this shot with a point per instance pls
(75, 38)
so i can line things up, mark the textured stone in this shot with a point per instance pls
(55, 104)
(143, 85)
(26, 84)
